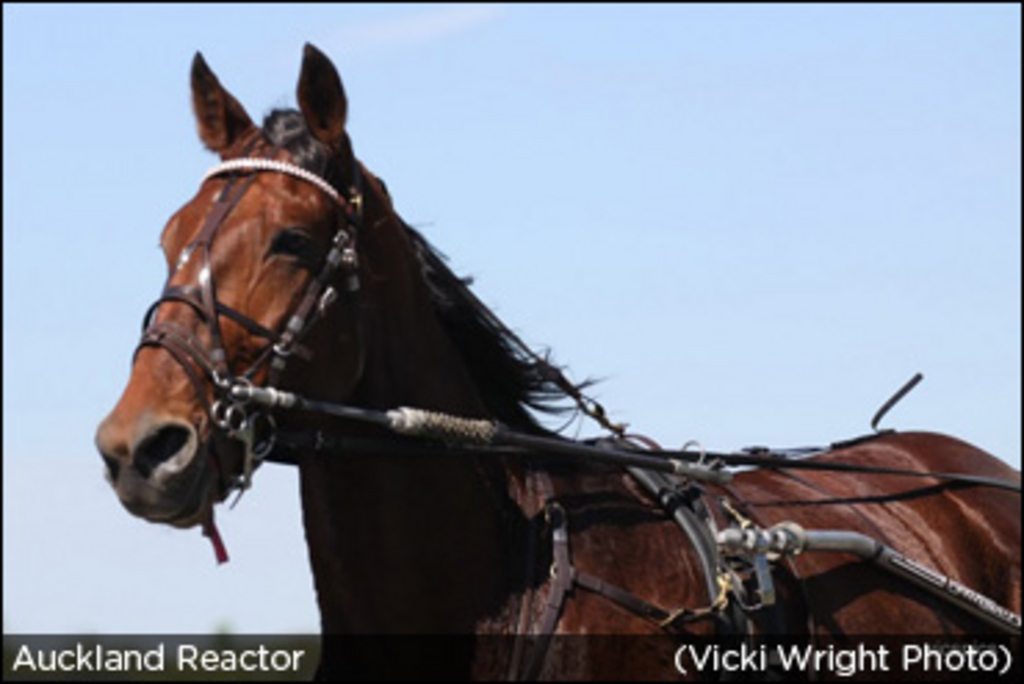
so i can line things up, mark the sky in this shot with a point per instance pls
(752, 223)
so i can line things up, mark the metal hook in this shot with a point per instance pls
(701, 460)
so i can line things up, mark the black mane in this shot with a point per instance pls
(511, 379)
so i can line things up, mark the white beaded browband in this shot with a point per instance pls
(256, 164)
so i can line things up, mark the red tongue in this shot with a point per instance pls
(210, 530)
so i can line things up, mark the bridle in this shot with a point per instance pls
(206, 364)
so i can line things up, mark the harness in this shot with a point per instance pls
(682, 502)
(735, 560)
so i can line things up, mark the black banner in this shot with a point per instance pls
(302, 657)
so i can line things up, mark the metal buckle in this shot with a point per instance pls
(349, 257)
(220, 380)
(282, 351)
(341, 238)
(326, 299)
(356, 202)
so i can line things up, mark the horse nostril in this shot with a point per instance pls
(159, 447)
(113, 467)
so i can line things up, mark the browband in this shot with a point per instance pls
(256, 164)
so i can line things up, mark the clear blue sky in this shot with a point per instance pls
(753, 222)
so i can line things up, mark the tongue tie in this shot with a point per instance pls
(210, 530)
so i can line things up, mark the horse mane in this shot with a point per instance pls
(512, 380)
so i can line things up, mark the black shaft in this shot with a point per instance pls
(344, 411)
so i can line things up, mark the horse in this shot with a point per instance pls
(291, 268)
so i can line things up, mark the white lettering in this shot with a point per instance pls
(187, 655)
(955, 658)
(95, 659)
(260, 659)
(24, 659)
(795, 657)
(714, 658)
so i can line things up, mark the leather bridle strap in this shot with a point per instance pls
(212, 360)
(189, 295)
(207, 289)
(184, 350)
(319, 292)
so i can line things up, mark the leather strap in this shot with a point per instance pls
(630, 602)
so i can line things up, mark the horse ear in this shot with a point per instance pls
(219, 116)
(322, 98)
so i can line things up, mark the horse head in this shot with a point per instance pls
(260, 262)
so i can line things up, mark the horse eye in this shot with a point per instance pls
(292, 242)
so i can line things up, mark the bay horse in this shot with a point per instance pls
(290, 267)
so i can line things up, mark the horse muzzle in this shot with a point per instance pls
(158, 470)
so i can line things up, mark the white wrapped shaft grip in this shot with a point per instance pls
(420, 423)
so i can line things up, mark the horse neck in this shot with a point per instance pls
(405, 543)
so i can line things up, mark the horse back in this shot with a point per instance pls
(970, 533)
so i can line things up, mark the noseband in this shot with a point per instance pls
(207, 362)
